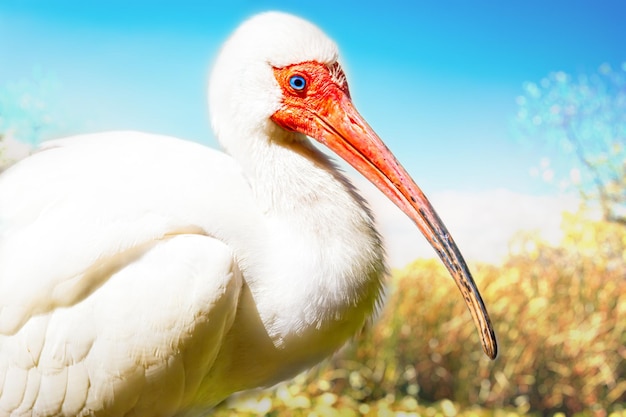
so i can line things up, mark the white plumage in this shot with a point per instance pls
(144, 275)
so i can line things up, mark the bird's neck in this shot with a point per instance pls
(326, 260)
(312, 264)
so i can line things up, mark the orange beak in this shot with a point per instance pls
(332, 120)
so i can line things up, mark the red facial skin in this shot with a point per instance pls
(324, 111)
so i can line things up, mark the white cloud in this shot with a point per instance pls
(482, 224)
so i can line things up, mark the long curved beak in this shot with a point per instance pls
(343, 130)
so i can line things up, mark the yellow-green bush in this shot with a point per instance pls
(560, 317)
(559, 314)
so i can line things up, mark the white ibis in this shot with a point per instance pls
(142, 275)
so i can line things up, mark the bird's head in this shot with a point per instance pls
(271, 63)
(280, 75)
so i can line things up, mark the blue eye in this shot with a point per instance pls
(297, 82)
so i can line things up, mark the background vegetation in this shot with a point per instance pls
(29, 113)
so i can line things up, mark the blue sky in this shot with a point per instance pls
(436, 80)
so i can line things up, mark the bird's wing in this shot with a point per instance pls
(145, 339)
(84, 207)
(114, 272)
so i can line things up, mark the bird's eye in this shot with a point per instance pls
(297, 82)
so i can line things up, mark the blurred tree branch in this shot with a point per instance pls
(585, 119)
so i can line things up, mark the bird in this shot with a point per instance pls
(146, 275)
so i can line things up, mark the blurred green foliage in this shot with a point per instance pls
(29, 109)
(560, 316)
(30, 112)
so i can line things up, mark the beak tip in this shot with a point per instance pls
(490, 343)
